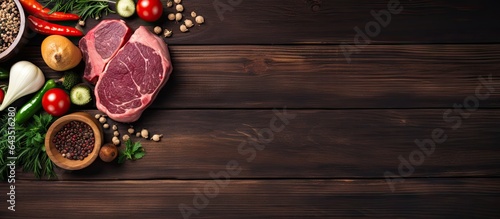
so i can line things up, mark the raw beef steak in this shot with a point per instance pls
(100, 45)
(133, 77)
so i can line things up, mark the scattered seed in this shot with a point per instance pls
(97, 116)
(171, 16)
(131, 130)
(106, 125)
(115, 127)
(183, 28)
(188, 23)
(158, 30)
(102, 120)
(125, 137)
(178, 16)
(156, 137)
(81, 23)
(193, 14)
(179, 8)
(116, 141)
(199, 19)
(138, 134)
(177, 1)
(167, 33)
(116, 133)
(170, 4)
(144, 133)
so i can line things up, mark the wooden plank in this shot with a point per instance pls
(315, 144)
(436, 198)
(415, 76)
(334, 22)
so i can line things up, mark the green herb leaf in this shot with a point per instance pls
(30, 148)
(122, 157)
(132, 151)
(139, 155)
(84, 8)
(136, 147)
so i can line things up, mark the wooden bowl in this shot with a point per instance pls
(21, 39)
(54, 154)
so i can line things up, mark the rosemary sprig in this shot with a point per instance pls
(84, 8)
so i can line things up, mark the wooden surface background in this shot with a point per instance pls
(354, 120)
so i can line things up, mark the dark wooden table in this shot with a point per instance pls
(307, 109)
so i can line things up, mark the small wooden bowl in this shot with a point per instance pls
(21, 39)
(54, 154)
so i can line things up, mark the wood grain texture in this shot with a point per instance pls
(296, 22)
(333, 22)
(315, 144)
(421, 198)
(356, 122)
(413, 76)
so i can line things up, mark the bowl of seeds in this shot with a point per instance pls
(13, 29)
(73, 141)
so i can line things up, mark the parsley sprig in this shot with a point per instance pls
(132, 151)
(30, 147)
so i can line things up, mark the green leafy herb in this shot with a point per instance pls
(30, 147)
(84, 8)
(132, 151)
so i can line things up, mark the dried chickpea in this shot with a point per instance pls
(170, 4)
(116, 133)
(144, 133)
(131, 130)
(171, 16)
(183, 28)
(193, 14)
(179, 8)
(115, 141)
(125, 137)
(156, 137)
(177, 1)
(178, 16)
(199, 19)
(106, 125)
(102, 120)
(115, 127)
(188, 23)
(157, 30)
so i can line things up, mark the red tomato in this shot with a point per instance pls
(149, 10)
(56, 102)
(2, 94)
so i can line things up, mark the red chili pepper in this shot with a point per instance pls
(47, 28)
(35, 8)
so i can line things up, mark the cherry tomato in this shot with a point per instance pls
(56, 102)
(2, 94)
(149, 10)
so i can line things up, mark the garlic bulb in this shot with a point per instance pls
(25, 78)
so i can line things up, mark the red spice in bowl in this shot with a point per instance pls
(75, 140)
(70, 141)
